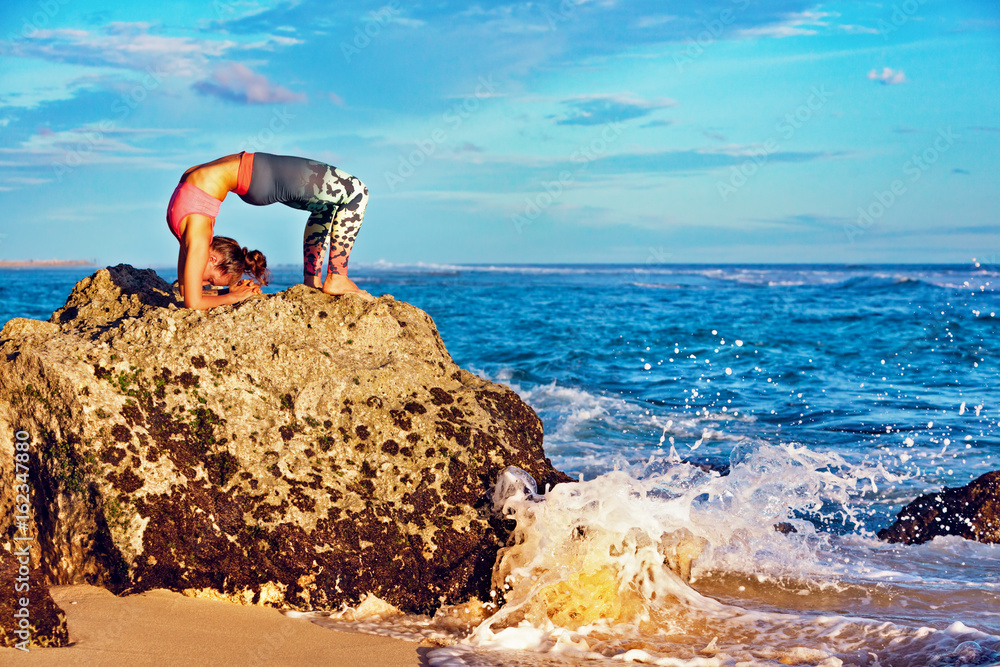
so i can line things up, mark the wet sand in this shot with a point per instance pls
(161, 627)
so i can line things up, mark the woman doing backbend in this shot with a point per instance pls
(335, 200)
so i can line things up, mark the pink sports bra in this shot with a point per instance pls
(189, 198)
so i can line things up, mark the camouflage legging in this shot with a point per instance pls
(337, 208)
(335, 199)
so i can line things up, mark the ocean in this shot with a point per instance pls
(709, 404)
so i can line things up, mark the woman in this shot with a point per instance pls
(335, 199)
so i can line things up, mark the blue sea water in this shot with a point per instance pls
(827, 396)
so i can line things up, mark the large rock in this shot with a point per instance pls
(296, 450)
(971, 511)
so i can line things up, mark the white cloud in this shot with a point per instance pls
(121, 45)
(14, 183)
(888, 76)
(238, 83)
(26, 180)
(857, 29)
(793, 25)
(135, 46)
(600, 109)
(65, 150)
(272, 43)
(409, 23)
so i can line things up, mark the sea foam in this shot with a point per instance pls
(616, 568)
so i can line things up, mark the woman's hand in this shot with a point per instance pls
(251, 284)
(242, 290)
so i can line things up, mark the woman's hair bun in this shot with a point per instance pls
(256, 265)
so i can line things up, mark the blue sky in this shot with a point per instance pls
(565, 131)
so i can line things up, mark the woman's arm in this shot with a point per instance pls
(191, 263)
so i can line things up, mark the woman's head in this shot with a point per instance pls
(234, 261)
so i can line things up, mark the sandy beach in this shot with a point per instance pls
(161, 627)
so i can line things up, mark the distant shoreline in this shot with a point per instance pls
(43, 263)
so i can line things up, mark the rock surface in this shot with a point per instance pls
(296, 450)
(46, 621)
(971, 511)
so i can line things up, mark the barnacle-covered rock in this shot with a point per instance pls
(296, 450)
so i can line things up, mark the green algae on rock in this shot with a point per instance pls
(296, 450)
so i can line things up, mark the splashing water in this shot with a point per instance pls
(610, 568)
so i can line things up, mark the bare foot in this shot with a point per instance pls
(312, 281)
(337, 284)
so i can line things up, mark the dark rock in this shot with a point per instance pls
(46, 621)
(296, 450)
(971, 511)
